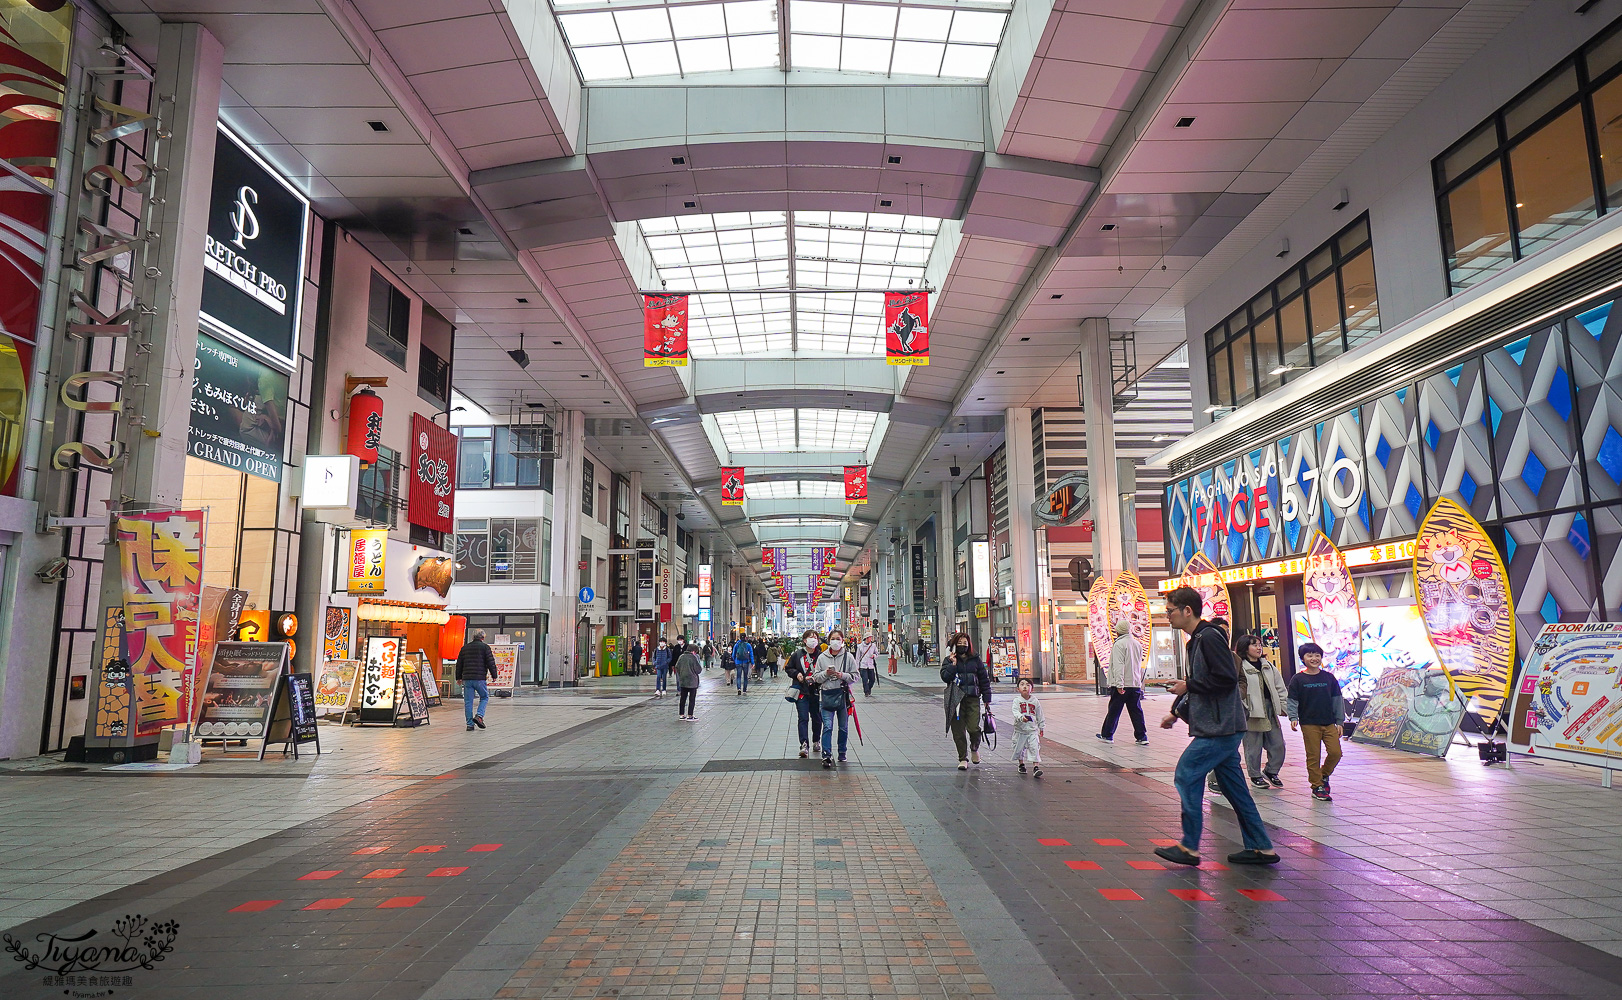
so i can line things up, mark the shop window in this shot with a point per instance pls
(473, 463)
(433, 377)
(472, 550)
(546, 551)
(1313, 312)
(505, 458)
(388, 320)
(514, 547)
(1544, 166)
(375, 500)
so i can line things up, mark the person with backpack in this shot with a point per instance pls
(804, 691)
(1215, 713)
(968, 695)
(835, 672)
(743, 661)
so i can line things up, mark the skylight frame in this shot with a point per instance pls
(795, 489)
(795, 430)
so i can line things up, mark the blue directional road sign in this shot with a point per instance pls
(586, 595)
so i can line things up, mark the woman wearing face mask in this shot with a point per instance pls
(834, 673)
(867, 664)
(968, 695)
(807, 704)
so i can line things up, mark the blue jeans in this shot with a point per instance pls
(659, 675)
(468, 688)
(741, 675)
(828, 715)
(1218, 755)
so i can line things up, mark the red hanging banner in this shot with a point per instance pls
(732, 487)
(664, 331)
(906, 328)
(855, 484)
(365, 426)
(432, 475)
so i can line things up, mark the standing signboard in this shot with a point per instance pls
(336, 687)
(161, 563)
(241, 690)
(1463, 593)
(506, 655)
(425, 670)
(380, 679)
(292, 722)
(1568, 704)
(412, 708)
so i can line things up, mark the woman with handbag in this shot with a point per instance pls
(968, 695)
(803, 692)
(835, 672)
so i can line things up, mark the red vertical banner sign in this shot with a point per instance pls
(855, 484)
(432, 498)
(365, 426)
(906, 328)
(732, 487)
(664, 331)
(161, 563)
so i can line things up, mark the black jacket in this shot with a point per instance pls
(972, 677)
(1215, 707)
(475, 662)
(797, 669)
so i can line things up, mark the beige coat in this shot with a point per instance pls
(1257, 675)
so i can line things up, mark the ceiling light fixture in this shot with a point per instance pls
(1108, 227)
(1281, 369)
(1185, 121)
(377, 126)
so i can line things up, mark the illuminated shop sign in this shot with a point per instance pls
(1371, 555)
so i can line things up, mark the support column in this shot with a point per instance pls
(946, 563)
(565, 616)
(155, 395)
(673, 626)
(633, 514)
(1022, 543)
(1098, 395)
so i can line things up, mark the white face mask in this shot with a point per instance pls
(836, 646)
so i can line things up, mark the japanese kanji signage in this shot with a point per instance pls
(664, 331)
(431, 500)
(855, 484)
(732, 487)
(366, 548)
(161, 563)
(906, 328)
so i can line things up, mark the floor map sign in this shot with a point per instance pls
(1568, 705)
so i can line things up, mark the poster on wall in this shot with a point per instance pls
(506, 655)
(1463, 593)
(1568, 703)
(335, 634)
(241, 690)
(161, 564)
(336, 687)
(430, 501)
(367, 547)
(253, 253)
(1330, 597)
(380, 678)
(238, 410)
(1128, 602)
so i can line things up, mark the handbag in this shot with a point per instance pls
(834, 700)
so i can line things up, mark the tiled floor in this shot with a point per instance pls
(591, 845)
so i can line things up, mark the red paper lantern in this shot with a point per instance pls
(365, 425)
(452, 636)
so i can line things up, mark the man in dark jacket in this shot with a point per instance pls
(473, 664)
(1216, 717)
(968, 695)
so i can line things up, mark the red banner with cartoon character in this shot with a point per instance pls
(855, 484)
(160, 558)
(906, 328)
(732, 487)
(664, 331)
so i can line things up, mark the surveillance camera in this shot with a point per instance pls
(521, 356)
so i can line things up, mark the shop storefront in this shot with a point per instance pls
(1523, 429)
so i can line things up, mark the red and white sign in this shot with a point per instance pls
(732, 487)
(664, 331)
(432, 475)
(665, 596)
(855, 484)
(365, 426)
(906, 328)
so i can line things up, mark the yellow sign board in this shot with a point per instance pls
(366, 548)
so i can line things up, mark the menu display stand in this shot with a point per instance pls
(412, 708)
(292, 722)
(241, 692)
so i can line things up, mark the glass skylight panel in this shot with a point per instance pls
(670, 40)
(896, 38)
(791, 489)
(836, 430)
(757, 430)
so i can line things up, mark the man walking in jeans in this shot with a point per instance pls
(473, 664)
(1216, 719)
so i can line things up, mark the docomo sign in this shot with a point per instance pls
(1368, 555)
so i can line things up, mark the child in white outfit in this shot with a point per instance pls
(1028, 728)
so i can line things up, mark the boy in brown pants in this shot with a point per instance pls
(1317, 709)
